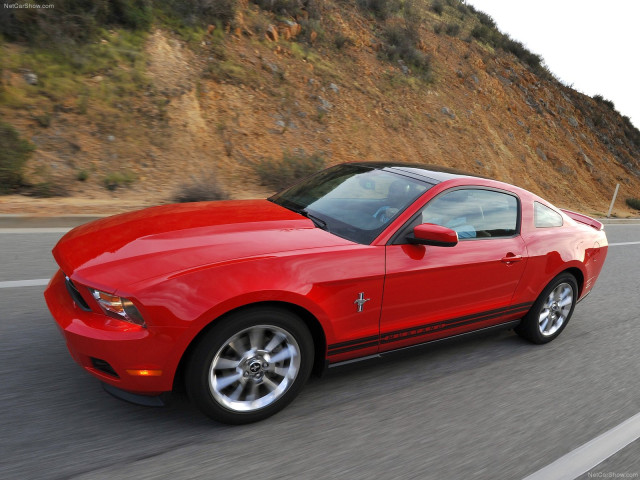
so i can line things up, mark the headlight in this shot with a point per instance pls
(118, 307)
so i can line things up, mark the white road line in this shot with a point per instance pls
(35, 230)
(623, 243)
(592, 453)
(38, 282)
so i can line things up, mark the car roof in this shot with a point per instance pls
(430, 173)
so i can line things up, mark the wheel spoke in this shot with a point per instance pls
(282, 371)
(253, 390)
(256, 338)
(270, 384)
(236, 347)
(237, 392)
(567, 301)
(275, 341)
(283, 354)
(544, 327)
(223, 382)
(225, 363)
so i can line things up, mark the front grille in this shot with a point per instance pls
(75, 295)
(103, 366)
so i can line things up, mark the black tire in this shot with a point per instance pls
(250, 366)
(552, 310)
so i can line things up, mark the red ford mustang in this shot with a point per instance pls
(241, 300)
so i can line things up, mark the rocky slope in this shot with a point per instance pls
(329, 85)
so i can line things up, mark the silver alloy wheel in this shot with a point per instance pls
(556, 309)
(254, 368)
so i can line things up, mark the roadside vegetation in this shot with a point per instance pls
(289, 169)
(203, 189)
(14, 153)
(634, 203)
(114, 180)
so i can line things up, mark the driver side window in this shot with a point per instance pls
(473, 213)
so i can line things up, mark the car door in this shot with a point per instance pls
(432, 292)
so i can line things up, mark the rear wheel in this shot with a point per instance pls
(552, 310)
(250, 366)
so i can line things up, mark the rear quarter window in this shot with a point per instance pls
(545, 217)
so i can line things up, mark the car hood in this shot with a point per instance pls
(116, 252)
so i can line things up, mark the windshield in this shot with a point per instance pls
(352, 201)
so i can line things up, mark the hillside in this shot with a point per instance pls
(133, 115)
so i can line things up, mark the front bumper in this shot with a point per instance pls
(111, 349)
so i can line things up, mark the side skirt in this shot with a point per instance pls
(403, 350)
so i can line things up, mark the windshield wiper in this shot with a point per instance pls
(318, 222)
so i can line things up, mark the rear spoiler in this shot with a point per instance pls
(578, 217)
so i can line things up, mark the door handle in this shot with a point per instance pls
(510, 258)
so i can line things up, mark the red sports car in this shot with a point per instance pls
(239, 301)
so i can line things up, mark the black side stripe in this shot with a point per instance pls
(477, 317)
(437, 327)
(397, 335)
(355, 347)
(353, 342)
(357, 344)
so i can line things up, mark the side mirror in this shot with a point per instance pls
(431, 234)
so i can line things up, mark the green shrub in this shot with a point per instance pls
(73, 21)
(630, 131)
(134, 14)
(46, 189)
(401, 45)
(492, 36)
(232, 72)
(520, 51)
(634, 203)
(195, 13)
(604, 101)
(14, 153)
(44, 120)
(288, 170)
(82, 176)
(113, 180)
(202, 190)
(484, 34)
(285, 7)
(340, 41)
(437, 7)
(485, 19)
(453, 29)
(381, 9)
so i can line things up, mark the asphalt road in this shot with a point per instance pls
(488, 407)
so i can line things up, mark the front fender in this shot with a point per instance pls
(322, 282)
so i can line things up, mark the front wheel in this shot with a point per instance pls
(250, 366)
(552, 310)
